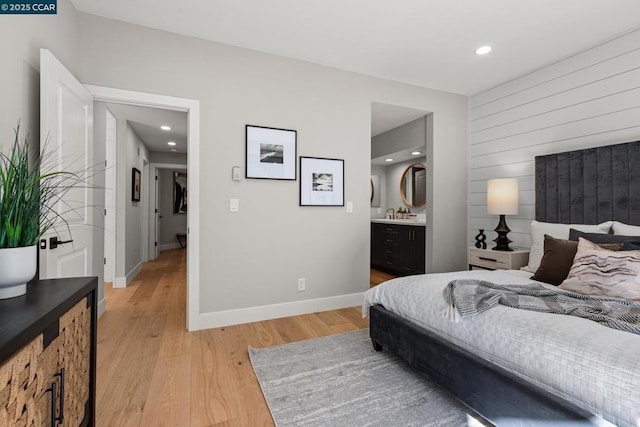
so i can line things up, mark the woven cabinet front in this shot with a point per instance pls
(26, 378)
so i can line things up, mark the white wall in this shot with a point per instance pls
(23, 36)
(135, 151)
(164, 157)
(254, 257)
(408, 136)
(587, 100)
(171, 223)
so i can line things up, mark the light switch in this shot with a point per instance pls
(234, 205)
(236, 173)
(349, 207)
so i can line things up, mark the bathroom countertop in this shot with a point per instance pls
(399, 221)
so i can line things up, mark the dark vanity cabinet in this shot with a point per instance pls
(48, 354)
(398, 248)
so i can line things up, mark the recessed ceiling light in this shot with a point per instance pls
(165, 127)
(388, 160)
(483, 50)
(171, 143)
(173, 150)
(416, 153)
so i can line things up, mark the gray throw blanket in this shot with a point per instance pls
(467, 297)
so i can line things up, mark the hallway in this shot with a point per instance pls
(151, 371)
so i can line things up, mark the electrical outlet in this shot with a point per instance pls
(301, 285)
(349, 207)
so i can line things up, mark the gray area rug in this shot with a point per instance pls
(340, 380)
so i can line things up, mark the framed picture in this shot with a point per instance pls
(321, 182)
(135, 185)
(271, 153)
(179, 192)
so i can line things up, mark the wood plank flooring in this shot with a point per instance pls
(152, 372)
(377, 277)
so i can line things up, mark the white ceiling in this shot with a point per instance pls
(426, 43)
(146, 122)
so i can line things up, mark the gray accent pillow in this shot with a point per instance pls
(629, 243)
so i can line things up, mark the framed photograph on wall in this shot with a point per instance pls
(135, 185)
(179, 192)
(321, 182)
(271, 153)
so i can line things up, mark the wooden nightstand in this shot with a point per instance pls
(489, 259)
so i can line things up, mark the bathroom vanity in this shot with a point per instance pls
(398, 246)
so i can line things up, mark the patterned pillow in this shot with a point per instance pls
(599, 271)
(558, 259)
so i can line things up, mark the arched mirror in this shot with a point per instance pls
(413, 185)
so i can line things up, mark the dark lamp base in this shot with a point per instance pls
(502, 241)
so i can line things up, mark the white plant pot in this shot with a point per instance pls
(17, 267)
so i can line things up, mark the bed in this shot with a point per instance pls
(565, 370)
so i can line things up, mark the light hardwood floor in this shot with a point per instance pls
(152, 372)
(377, 277)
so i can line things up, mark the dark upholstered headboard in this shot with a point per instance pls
(590, 186)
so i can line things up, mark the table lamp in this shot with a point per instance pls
(502, 199)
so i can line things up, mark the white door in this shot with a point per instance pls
(66, 113)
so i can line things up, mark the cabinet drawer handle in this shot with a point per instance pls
(487, 259)
(61, 375)
(52, 416)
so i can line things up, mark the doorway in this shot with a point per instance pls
(399, 189)
(192, 108)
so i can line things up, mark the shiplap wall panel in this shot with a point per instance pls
(609, 104)
(591, 79)
(587, 100)
(571, 96)
(572, 65)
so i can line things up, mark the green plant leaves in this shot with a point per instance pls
(28, 196)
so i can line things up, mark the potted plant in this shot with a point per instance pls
(28, 194)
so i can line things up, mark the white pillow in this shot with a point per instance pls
(625, 229)
(559, 231)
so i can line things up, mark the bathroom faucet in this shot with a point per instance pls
(390, 213)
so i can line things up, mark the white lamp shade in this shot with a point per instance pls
(502, 196)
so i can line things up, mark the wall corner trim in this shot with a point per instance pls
(218, 319)
(102, 306)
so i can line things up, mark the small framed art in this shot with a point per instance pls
(179, 192)
(271, 153)
(321, 182)
(135, 185)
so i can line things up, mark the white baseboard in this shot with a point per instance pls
(218, 319)
(167, 246)
(102, 306)
(122, 282)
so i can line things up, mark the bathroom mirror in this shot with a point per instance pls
(413, 185)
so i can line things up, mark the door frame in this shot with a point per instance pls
(192, 108)
(144, 214)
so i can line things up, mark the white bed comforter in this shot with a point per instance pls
(593, 366)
